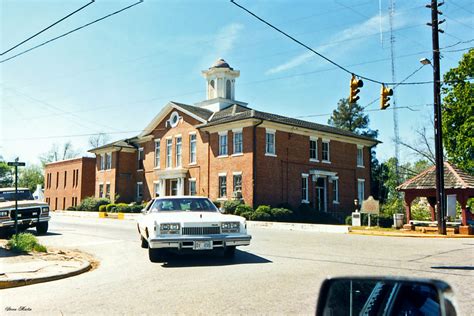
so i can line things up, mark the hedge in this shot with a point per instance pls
(92, 204)
(110, 207)
(230, 206)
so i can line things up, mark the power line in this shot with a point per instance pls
(459, 22)
(461, 7)
(319, 54)
(47, 28)
(458, 50)
(72, 31)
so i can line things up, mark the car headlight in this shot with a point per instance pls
(45, 210)
(4, 213)
(230, 227)
(172, 228)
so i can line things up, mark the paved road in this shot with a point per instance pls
(280, 273)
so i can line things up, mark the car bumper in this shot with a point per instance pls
(27, 221)
(187, 242)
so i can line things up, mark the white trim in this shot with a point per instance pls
(270, 155)
(326, 161)
(237, 155)
(156, 181)
(221, 133)
(169, 137)
(360, 146)
(237, 130)
(326, 140)
(108, 182)
(192, 179)
(192, 133)
(178, 135)
(222, 156)
(222, 174)
(237, 173)
(157, 140)
(270, 130)
(305, 175)
(313, 160)
(192, 163)
(313, 138)
(361, 180)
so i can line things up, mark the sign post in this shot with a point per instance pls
(16, 164)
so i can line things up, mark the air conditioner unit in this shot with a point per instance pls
(237, 194)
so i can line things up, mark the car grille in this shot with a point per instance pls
(27, 213)
(201, 230)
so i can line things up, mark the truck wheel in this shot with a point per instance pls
(42, 228)
(229, 252)
(156, 255)
(144, 242)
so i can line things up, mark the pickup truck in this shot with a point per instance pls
(31, 213)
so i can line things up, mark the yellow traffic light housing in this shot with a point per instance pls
(355, 84)
(384, 97)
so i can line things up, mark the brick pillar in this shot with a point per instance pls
(408, 200)
(462, 199)
(432, 202)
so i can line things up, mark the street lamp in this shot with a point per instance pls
(425, 61)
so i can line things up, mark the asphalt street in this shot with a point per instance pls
(279, 273)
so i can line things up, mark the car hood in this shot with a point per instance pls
(21, 204)
(194, 217)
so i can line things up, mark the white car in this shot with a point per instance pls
(189, 223)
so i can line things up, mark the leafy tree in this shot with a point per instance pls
(6, 175)
(458, 113)
(351, 117)
(57, 153)
(31, 176)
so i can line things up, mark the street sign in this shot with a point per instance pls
(370, 206)
(16, 164)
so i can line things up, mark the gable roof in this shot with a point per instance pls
(122, 143)
(454, 178)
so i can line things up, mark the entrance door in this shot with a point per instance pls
(321, 195)
(174, 187)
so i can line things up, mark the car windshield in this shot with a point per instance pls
(10, 195)
(183, 205)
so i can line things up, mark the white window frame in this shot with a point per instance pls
(315, 140)
(223, 149)
(140, 150)
(102, 162)
(157, 153)
(268, 152)
(179, 151)
(169, 152)
(328, 142)
(360, 162)
(305, 188)
(138, 185)
(234, 174)
(192, 144)
(335, 190)
(190, 181)
(101, 194)
(108, 161)
(359, 193)
(235, 152)
(222, 175)
(156, 185)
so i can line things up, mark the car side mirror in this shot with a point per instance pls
(222, 210)
(385, 296)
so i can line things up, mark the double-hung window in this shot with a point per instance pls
(141, 156)
(223, 143)
(335, 190)
(237, 182)
(157, 153)
(360, 190)
(325, 154)
(192, 148)
(102, 162)
(270, 142)
(169, 153)
(222, 186)
(238, 144)
(313, 149)
(101, 190)
(360, 156)
(304, 188)
(139, 191)
(108, 161)
(178, 151)
(192, 186)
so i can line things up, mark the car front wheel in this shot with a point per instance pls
(42, 228)
(156, 255)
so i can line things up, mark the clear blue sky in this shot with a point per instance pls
(116, 75)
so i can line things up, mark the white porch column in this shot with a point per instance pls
(162, 187)
(180, 186)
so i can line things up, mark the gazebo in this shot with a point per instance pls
(456, 182)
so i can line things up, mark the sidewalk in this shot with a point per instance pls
(405, 234)
(25, 269)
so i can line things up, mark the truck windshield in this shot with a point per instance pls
(10, 195)
(183, 205)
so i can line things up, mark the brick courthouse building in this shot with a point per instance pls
(223, 149)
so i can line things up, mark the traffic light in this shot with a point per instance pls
(384, 97)
(355, 84)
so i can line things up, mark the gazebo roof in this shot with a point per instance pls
(454, 178)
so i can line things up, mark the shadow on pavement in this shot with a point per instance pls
(211, 259)
(7, 254)
(467, 268)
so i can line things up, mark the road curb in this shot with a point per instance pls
(5, 284)
(319, 228)
(403, 235)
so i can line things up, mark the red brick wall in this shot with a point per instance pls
(61, 192)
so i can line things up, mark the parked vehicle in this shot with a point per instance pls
(189, 223)
(31, 213)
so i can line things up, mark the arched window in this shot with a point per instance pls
(212, 89)
(228, 90)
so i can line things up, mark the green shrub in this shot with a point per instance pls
(348, 220)
(385, 221)
(71, 208)
(260, 215)
(137, 208)
(264, 209)
(420, 212)
(103, 208)
(281, 214)
(230, 206)
(92, 204)
(25, 242)
(217, 203)
(123, 208)
(242, 208)
(247, 214)
(110, 207)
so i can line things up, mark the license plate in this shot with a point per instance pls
(202, 245)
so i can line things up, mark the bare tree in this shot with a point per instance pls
(423, 144)
(99, 140)
(57, 153)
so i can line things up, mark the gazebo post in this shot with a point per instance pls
(408, 200)
(432, 202)
(462, 199)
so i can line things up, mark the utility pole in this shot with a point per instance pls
(16, 164)
(440, 193)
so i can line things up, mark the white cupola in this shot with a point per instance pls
(220, 86)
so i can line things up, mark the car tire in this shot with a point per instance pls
(144, 242)
(156, 255)
(229, 252)
(42, 228)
